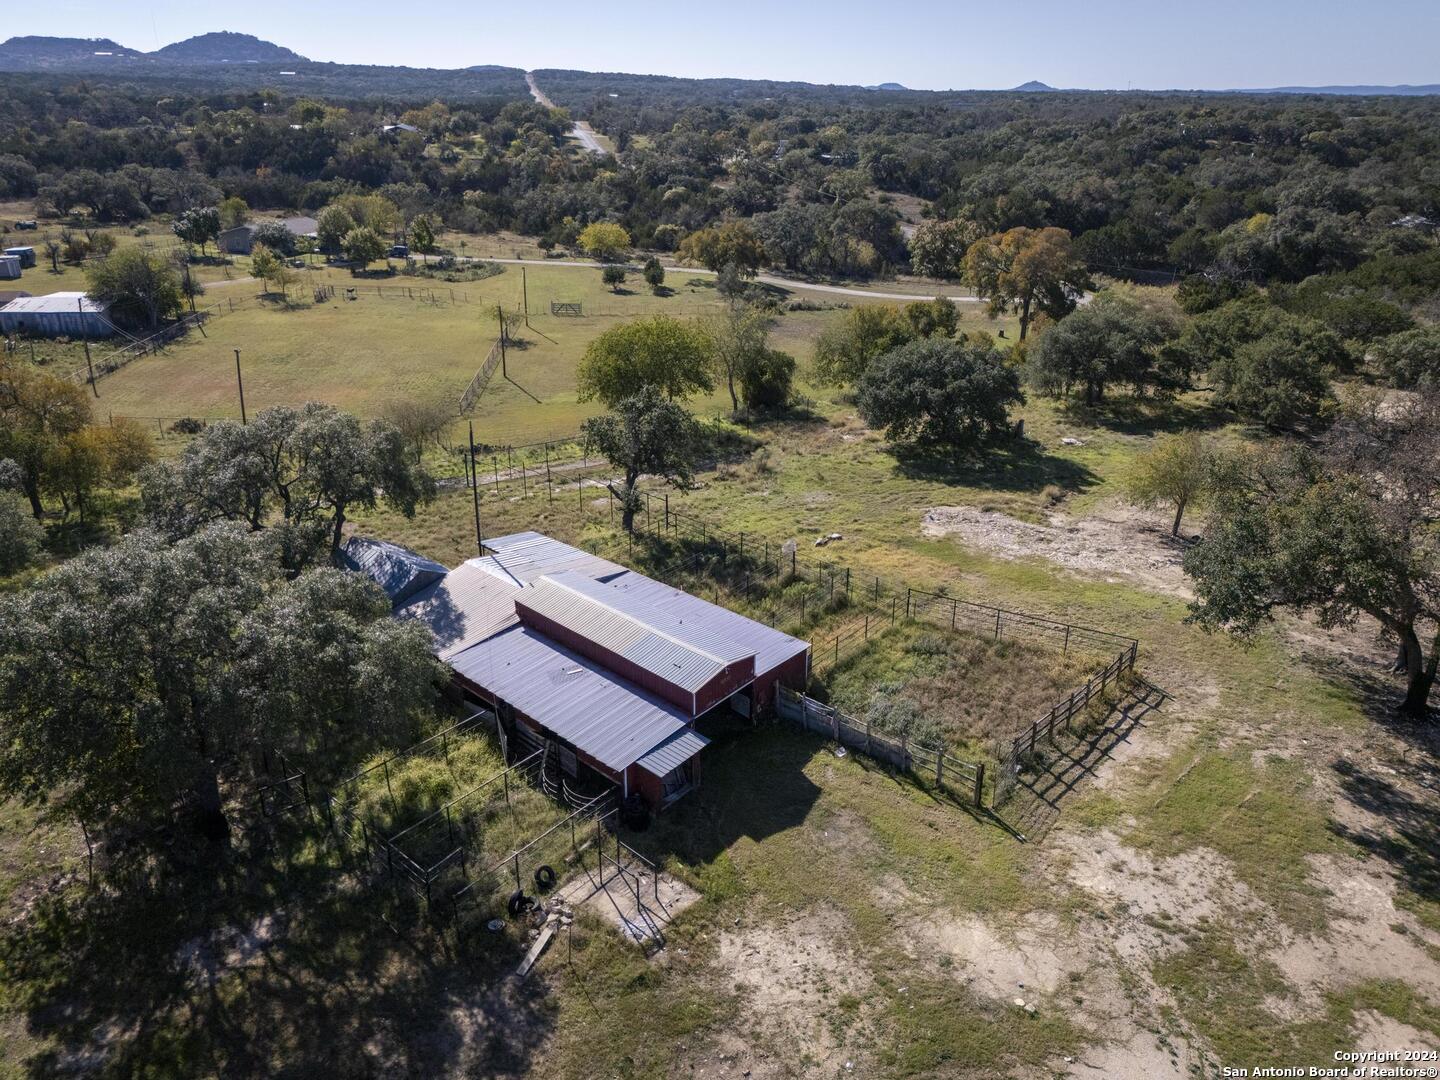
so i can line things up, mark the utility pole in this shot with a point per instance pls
(240, 382)
(80, 306)
(525, 296)
(500, 314)
(475, 491)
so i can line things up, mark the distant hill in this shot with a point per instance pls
(1033, 87)
(44, 52)
(226, 47)
(888, 86)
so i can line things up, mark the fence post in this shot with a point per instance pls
(997, 624)
(907, 601)
(979, 781)
(954, 607)
(1066, 647)
(940, 766)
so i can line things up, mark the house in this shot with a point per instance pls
(606, 668)
(241, 239)
(61, 314)
(391, 129)
(26, 255)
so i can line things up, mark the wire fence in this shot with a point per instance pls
(964, 780)
(447, 855)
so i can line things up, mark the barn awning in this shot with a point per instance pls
(673, 752)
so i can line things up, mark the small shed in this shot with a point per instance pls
(61, 314)
(26, 255)
(9, 267)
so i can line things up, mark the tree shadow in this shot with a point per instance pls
(1020, 465)
(1130, 415)
(1379, 694)
(233, 967)
(1411, 844)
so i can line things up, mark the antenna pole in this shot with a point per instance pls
(475, 491)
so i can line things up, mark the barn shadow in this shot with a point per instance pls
(753, 786)
(231, 966)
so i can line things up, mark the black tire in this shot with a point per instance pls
(519, 903)
(545, 878)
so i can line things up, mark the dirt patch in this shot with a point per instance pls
(793, 977)
(1362, 942)
(1118, 542)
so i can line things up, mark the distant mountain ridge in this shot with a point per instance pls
(37, 52)
(94, 55)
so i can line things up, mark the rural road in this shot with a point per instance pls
(581, 131)
(768, 279)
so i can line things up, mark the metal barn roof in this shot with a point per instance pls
(525, 556)
(466, 606)
(771, 647)
(398, 570)
(65, 302)
(673, 752)
(684, 654)
(591, 708)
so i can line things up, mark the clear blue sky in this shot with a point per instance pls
(1158, 44)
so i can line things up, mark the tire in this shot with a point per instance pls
(519, 903)
(545, 878)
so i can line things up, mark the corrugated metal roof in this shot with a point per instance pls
(673, 752)
(684, 654)
(525, 556)
(467, 605)
(66, 302)
(398, 570)
(594, 710)
(771, 647)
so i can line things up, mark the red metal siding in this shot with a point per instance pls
(733, 677)
(793, 673)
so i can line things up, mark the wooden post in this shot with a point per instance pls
(907, 601)
(90, 368)
(940, 766)
(240, 382)
(496, 462)
(997, 624)
(979, 782)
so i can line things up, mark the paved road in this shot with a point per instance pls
(582, 131)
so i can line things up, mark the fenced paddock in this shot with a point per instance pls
(964, 780)
(448, 822)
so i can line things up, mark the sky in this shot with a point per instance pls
(1102, 44)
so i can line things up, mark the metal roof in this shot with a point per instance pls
(673, 752)
(595, 710)
(398, 570)
(525, 556)
(466, 606)
(770, 647)
(684, 654)
(69, 303)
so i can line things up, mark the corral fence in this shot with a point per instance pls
(481, 378)
(1061, 717)
(561, 309)
(964, 780)
(441, 857)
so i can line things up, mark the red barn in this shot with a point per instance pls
(610, 667)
